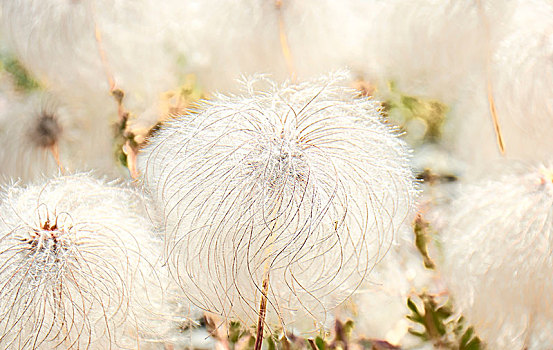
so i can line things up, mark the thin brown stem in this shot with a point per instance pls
(101, 51)
(118, 94)
(262, 312)
(491, 100)
(284, 42)
(54, 150)
(495, 119)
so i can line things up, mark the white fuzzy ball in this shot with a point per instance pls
(223, 40)
(522, 67)
(35, 129)
(519, 72)
(427, 47)
(62, 42)
(78, 267)
(497, 243)
(227, 39)
(303, 183)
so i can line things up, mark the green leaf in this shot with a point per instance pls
(348, 328)
(270, 343)
(234, 331)
(22, 79)
(421, 335)
(469, 341)
(320, 343)
(412, 306)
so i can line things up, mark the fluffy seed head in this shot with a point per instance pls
(427, 47)
(497, 247)
(35, 129)
(381, 301)
(61, 47)
(77, 266)
(302, 183)
(520, 67)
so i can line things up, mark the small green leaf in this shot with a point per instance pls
(320, 343)
(421, 335)
(234, 331)
(22, 79)
(348, 328)
(412, 306)
(270, 343)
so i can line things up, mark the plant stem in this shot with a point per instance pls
(262, 312)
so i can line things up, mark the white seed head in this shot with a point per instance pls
(36, 129)
(304, 183)
(520, 67)
(73, 45)
(427, 47)
(314, 36)
(497, 248)
(78, 267)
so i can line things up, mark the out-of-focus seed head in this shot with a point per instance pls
(497, 241)
(40, 133)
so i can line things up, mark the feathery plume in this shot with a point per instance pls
(78, 267)
(427, 47)
(285, 195)
(381, 300)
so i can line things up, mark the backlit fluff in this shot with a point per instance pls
(381, 301)
(64, 42)
(78, 267)
(224, 40)
(497, 244)
(303, 182)
(427, 47)
(522, 67)
(519, 75)
(35, 129)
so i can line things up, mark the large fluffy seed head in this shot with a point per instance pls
(223, 40)
(77, 266)
(522, 65)
(302, 183)
(497, 247)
